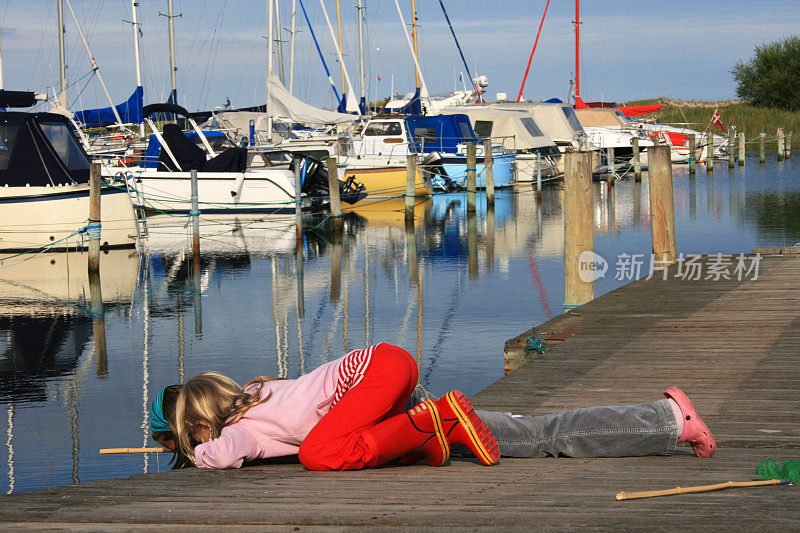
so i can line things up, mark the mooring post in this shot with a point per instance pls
(471, 171)
(762, 147)
(578, 228)
(710, 153)
(98, 324)
(610, 165)
(692, 153)
(789, 145)
(411, 176)
(781, 145)
(298, 167)
(335, 201)
(637, 160)
(732, 147)
(742, 149)
(411, 251)
(538, 176)
(472, 244)
(195, 214)
(662, 207)
(94, 217)
(488, 166)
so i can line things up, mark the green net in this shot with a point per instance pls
(788, 469)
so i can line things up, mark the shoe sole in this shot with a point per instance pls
(484, 444)
(437, 424)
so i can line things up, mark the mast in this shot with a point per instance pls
(360, 8)
(319, 51)
(414, 36)
(422, 85)
(279, 39)
(2, 82)
(341, 59)
(62, 61)
(577, 49)
(173, 97)
(339, 24)
(291, 49)
(94, 63)
(270, 27)
(137, 59)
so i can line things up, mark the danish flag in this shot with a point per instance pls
(717, 121)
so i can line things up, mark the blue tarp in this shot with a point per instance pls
(442, 133)
(129, 111)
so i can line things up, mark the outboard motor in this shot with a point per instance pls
(315, 182)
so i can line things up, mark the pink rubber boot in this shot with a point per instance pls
(695, 432)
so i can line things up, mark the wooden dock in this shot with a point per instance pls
(733, 346)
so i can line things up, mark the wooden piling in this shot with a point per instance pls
(472, 244)
(762, 148)
(298, 167)
(662, 206)
(94, 217)
(488, 165)
(471, 164)
(788, 151)
(781, 145)
(610, 164)
(98, 324)
(692, 153)
(732, 147)
(335, 201)
(411, 251)
(710, 152)
(411, 176)
(742, 149)
(637, 160)
(578, 225)
(195, 214)
(539, 176)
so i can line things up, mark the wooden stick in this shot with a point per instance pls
(699, 488)
(132, 450)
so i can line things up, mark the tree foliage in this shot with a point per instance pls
(772, 77)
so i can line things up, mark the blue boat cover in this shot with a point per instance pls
(442, 133)
(554, 101)
(129, 111)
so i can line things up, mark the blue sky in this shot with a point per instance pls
(630, 49)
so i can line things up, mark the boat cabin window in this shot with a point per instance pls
(65, 145)
(572, 118)
(531, 126)
(467, 135)
(268, 159)
(427, 137)
(7, 136)
(623, 118)
(483, 128)
(383, 128)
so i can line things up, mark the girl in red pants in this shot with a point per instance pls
(345, 415)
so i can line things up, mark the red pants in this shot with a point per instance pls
(336, 442)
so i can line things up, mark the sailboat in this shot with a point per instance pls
(44, 189)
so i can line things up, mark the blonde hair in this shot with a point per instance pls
(213, 399)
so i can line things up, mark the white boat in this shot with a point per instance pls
(44, 190)
(232, 180)
(609, 128)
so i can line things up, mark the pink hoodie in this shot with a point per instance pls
(276, 427)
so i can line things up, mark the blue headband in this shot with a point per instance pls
(158, 421)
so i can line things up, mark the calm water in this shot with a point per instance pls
(165, 321)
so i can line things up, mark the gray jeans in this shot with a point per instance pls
(612, 431)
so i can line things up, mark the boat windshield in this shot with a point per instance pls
(623, 118)
(7, 136)
(572, 118)
(65, 145)
(532, 128)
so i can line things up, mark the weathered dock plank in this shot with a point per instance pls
(734, 346)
